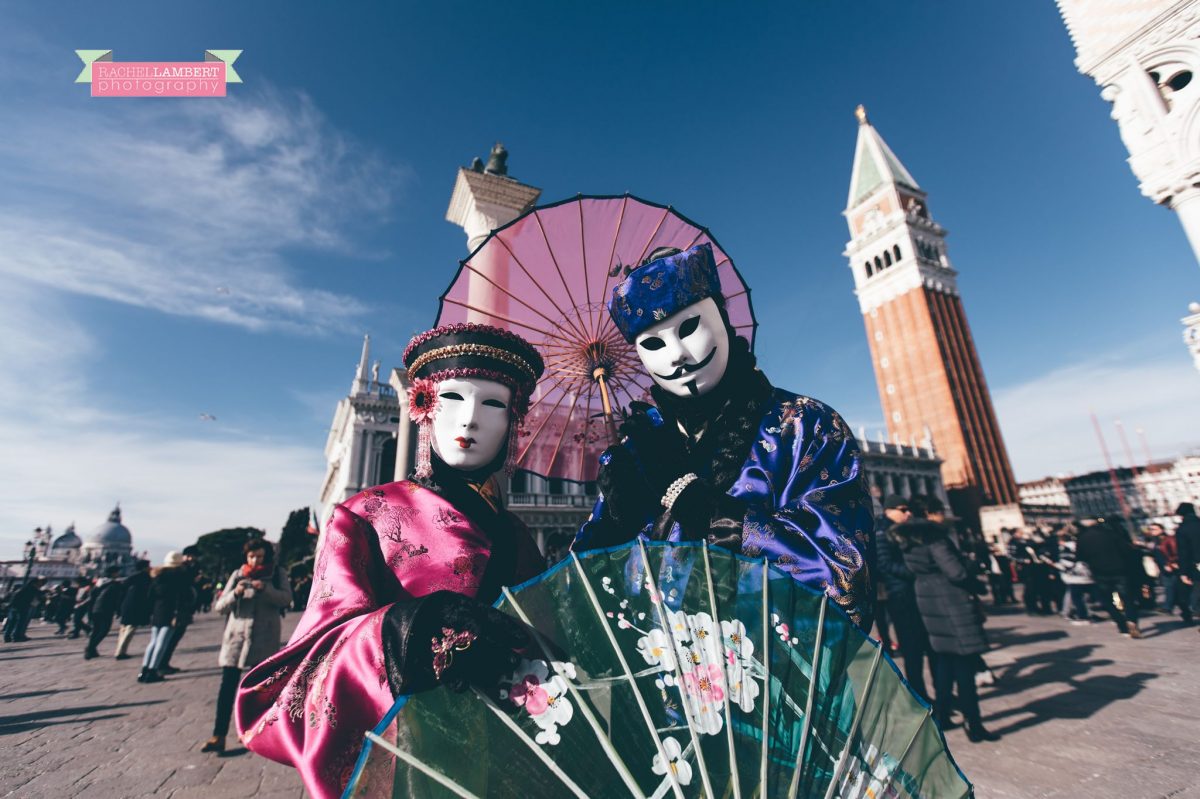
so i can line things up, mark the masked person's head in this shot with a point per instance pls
(672, 310)
(470, 388)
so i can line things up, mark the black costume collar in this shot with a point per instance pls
(722, 424)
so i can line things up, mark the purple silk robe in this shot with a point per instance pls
(309, 705)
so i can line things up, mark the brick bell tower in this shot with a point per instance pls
(931, 384)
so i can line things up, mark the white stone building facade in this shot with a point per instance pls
(1145, 57)
(1143, 494)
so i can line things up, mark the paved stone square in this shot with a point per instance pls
(72, 727)
(1084, 713)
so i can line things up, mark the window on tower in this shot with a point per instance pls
(887, 258)
(896, 251)
(878, 264)
(869, 271)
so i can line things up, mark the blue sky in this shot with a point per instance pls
(163, 258)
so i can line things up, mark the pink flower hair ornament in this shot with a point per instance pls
(423, 400)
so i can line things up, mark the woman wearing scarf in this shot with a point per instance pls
(404, 582)
(253, 597)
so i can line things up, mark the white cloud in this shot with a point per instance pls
(187, 208)
(65, 460)
(1047, 424)
(191, 209)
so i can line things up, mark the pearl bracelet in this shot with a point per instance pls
(676, 488)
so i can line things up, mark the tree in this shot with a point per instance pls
(295, 542)
(220, 552)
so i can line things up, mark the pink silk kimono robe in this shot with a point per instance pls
(310, 704)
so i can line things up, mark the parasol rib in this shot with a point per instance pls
(766, 612)
(553, 322)
(813, 685)
(503, 318)
(554, 259)
(611, 253)
(676, 646)
(428, 771)
(587, 289)
(900, 760)
(563, 434)
(558, 385)
(587, 423)
(584, 707)
(541, 755)
(712, 601)
(858, 714)
(538, 432)
(649, 241)
(537, 282)
(637, 693)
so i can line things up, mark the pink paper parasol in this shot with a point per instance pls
(547, 276)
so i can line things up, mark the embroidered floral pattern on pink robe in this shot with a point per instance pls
(309, 705)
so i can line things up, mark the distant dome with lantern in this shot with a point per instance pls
(109, 544)
(66, 541)
(112, 531)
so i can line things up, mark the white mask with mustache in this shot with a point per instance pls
(687, 353)
(471, 423)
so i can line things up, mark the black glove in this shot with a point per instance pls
(660, 448)
(495, 643)
(704, 514)
(627, 497)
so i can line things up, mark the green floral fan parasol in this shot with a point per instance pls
(692, 673)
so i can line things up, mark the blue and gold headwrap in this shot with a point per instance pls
(662, 288)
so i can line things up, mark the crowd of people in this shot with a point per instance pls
(164, 600)
(1096, 564)
(931, 577)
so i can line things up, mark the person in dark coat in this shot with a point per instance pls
(1116, 568)
(60, 604)
(106, 599)
(1187, 541)
(185, 612)
(20, 608)
(901, 599)
(946, 590)
(135, 607)
(168, 592)
(1000, 575)
(81, 607)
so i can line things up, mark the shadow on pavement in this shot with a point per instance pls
(1081, 699)
(29, 694)
(1006, 637)
(44, 655)
(188, 674)
(1059, 666)
(40, 718)
(38, 725)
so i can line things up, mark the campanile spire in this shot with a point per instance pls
(930, 380)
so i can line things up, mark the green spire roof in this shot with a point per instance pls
(874, 164)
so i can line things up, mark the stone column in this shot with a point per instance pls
(480, 203)
(1187, 205)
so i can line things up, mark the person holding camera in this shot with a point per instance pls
(252, 597)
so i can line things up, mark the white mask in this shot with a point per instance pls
(470, 425)
(687, 353)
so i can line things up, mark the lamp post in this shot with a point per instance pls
(30, 555)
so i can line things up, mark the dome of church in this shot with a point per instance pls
(67, 540)
(112, 532)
